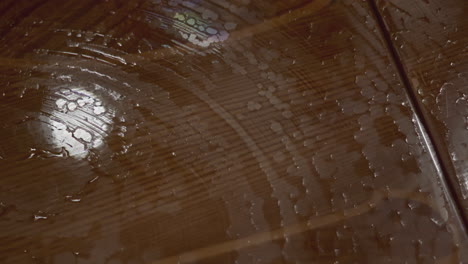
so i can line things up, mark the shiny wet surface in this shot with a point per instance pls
(432, 43)
(213, 132)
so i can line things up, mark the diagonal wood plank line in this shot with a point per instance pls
(435, 148)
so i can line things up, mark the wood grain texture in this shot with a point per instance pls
(212, 132)
(431, 38)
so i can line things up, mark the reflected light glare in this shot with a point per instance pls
(78, 121)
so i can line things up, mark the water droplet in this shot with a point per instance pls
(72, 106)
(211, 31)
(99, 110)
(40, 216)
(61, 103)
(230, 26)
(252, 106)
(72, 199)
(191, 21)
(276, 127)
(82, 134)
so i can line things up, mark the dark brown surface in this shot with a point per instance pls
(432, 42)
(212, 132)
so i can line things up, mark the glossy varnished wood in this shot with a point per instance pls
(212, 132)
(431, 39)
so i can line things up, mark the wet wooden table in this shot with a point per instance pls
(170, 131)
